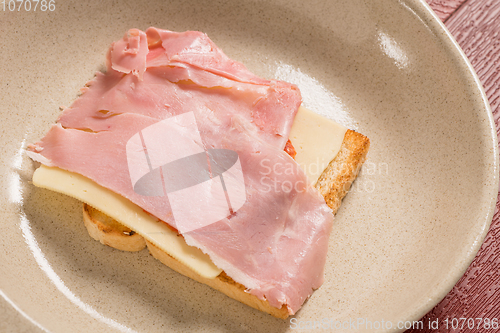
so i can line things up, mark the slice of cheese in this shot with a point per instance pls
(316, 139)
(127, 213)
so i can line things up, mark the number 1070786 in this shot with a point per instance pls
(28, 5)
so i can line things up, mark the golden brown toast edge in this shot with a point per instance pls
(333, 184)
(337, 178)
(111, 232)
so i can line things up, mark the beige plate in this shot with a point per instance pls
(411, 225)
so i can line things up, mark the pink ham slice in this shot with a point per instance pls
(276, 243)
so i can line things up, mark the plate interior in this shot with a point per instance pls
(405, 233)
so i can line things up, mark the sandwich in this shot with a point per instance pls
(223, 175)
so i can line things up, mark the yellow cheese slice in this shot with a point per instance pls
(315, 138)
(127, 213)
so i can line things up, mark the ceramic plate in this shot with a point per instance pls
(405, 233)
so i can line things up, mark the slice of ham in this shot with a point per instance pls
(276, 243)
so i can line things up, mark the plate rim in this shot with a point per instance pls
(425, 12)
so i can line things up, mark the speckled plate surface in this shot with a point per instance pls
(404, 235)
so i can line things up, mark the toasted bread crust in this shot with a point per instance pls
(222, 283)
(110, 232)
(333, 184)
(337, 178)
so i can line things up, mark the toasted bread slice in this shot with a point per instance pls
(337, 178)
(333, 184)
(222, 283)
(110, 232)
